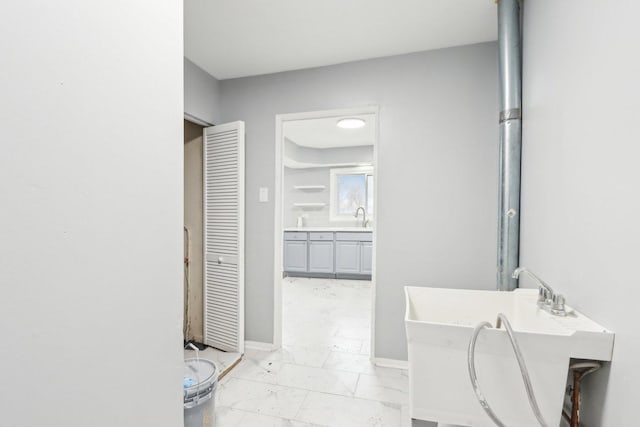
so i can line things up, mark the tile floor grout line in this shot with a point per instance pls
(322, 367)
(371, 374)
(289, 386)
(356, 386)
(327, 358)
(353, 396)
(301, 405)
(364, 399)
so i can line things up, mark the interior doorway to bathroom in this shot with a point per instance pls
(325, 233)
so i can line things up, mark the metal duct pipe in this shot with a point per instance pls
(510, 142)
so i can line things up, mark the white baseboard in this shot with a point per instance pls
(257, 345)
(391, 363)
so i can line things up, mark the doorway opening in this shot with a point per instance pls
(192, 324)
(325, 233)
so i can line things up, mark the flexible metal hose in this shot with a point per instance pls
(523, 371)
(474, 378)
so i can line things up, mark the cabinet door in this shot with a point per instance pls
(321, 257)
(366, 258)
(348, 257)
(295, 256)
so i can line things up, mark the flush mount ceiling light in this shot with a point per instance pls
(350, 123)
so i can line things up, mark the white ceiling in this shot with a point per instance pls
(323, 133)
(236, 38)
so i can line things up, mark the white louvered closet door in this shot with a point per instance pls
(224, 236)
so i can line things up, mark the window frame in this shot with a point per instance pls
(333, 190)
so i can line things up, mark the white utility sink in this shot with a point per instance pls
(439, 324)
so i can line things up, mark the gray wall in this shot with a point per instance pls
(581, 181)
(201, 94)
(91, 214)
(437, 170)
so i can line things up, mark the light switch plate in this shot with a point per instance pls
(264, 194)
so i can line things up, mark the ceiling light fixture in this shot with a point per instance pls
(350, 123)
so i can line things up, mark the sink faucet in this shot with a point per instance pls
(364, 216)
(548, 299)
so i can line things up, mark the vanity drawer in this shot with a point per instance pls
(323, 235)
(295, 235)
(354, 237)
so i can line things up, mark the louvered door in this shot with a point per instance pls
(224, 236)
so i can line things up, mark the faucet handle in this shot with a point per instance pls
(558, 305)
(545, 297)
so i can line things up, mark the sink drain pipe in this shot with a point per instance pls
(510, 150)
(580, 370)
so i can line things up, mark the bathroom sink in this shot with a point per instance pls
(439, 324)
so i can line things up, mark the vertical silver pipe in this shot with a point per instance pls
(510, 142)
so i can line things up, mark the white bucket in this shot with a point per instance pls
(200, 381)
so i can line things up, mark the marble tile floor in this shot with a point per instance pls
(322, 375)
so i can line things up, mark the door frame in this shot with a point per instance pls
(279, 210)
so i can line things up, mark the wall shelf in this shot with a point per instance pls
(309, 205)
(309, 187)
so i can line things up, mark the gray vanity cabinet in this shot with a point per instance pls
(321, 252)
(366, 261)
(328, 254)
(295, 252)
(347, 257)
(353, 253)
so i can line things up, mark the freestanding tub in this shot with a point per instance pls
(439, 324)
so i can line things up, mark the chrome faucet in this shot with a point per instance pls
(364, 216)
(547, 298)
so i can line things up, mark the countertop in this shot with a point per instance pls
(361, 229)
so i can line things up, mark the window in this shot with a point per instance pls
(350, 189)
